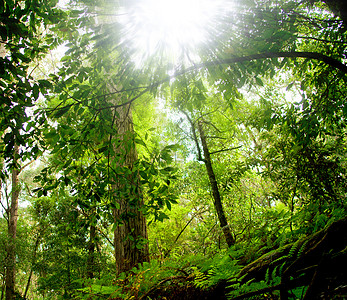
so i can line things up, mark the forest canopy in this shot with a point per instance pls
(173, 149)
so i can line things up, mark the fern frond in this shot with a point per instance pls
(294, 249)
(273, 274)
(281, 268)
(267, 275)
(280, 259)
(302, 248)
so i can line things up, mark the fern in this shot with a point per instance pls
(281, 268)
(302, 248)
(280, 259)
(247, 287)
(274, 274)
(222, 267)
(294, 249)
(201, 280)
(267, 275)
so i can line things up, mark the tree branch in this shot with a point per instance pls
(292, 54)
(194, 134)
(222, 150)
(266, 55)
(106, 237)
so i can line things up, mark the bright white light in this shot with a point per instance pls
(168, 27)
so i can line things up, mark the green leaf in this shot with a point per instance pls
(144, 175)
(35, 91)
(168, 204)
(259, 81)
(140, 142)
(61, 111)
(162, 216)
(168, 170)
(290, 86)
(65, 58)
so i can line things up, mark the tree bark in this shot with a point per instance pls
(215, 191)
(2, 48)
(12, 232)
(130, 236)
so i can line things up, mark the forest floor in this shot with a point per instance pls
(314, 265)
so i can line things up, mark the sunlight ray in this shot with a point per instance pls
(169, 28)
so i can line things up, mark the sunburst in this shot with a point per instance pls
(170, 28)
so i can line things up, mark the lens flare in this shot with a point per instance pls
(170, 28)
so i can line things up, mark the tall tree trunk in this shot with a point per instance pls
(215, 191)
(130, 236)
(12, 231)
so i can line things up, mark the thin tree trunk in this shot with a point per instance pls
(37, 242)
(215, 191)
(2, 48)
(91, 252)
(130, 236)
(2, 291)
(12, 232)
(3, 286)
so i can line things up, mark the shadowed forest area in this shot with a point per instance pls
(186, 150)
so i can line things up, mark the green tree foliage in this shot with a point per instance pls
(24, 39)
(269, 88)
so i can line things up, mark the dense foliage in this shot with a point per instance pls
(104, 156)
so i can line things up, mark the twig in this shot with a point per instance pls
(229, 149)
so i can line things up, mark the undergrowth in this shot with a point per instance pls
(202, 273)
